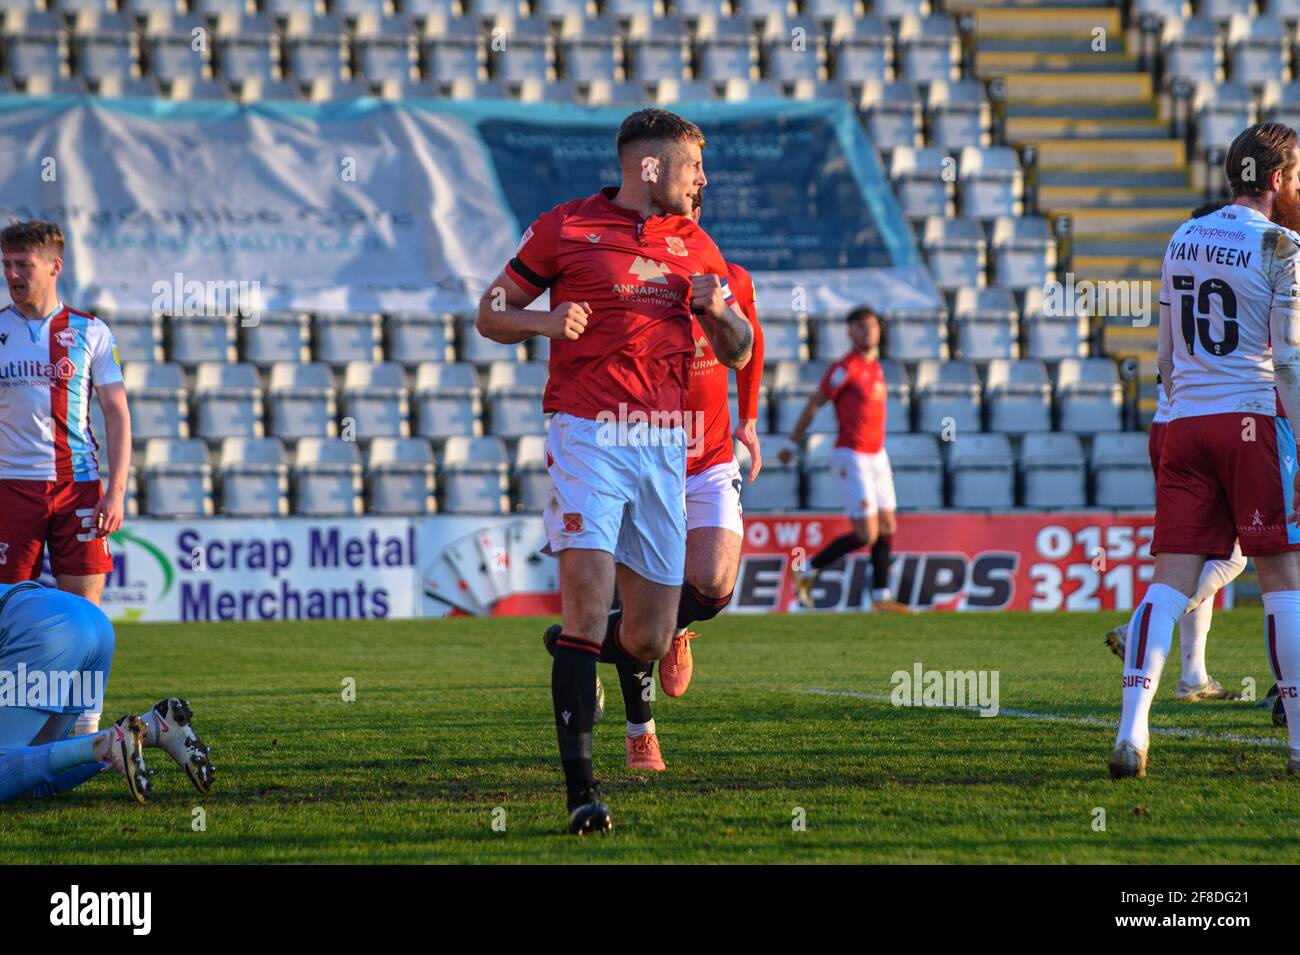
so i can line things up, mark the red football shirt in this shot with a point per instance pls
(634, 273)
(857, 387)
(706, 398)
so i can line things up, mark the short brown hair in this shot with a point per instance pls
(30, 236)
(1255, 155)
(862, 311)
(652, 123)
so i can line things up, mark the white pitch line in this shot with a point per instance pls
(1058, 718)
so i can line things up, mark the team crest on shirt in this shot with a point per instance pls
(65, 368)
(572, 523)
(593, 237)
(838, 376)
(67, 338)
(675, 245)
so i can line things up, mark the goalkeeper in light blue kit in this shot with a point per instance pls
(56, 650)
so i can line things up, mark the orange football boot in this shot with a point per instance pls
(643, 753)
(676, 667)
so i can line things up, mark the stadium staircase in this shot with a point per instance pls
(1107, 153)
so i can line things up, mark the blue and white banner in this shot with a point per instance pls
(371, 205)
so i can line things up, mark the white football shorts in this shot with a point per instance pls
(620, 490)
(713, 498)
(866, 481)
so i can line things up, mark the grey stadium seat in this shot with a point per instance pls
(402, 476)
(792, 384)
(916, 334)
(474, 476)
(349, 337)
(898, 405)
(138, 336)
(1258, 49)
(527, 51)
(727, 49)
(821, 483)
(924, 181)
(947, 390)
(988, 323)
(658, 48)
(764, 410)
(319, 52)
(992, 182)
(894, 113)
(456, 50)
(169, 47)
(193, 339)
(1222, 110)
(786, 62)
(110, 50)
(957, 252)
(929, 48)
(1121, 471)
(918, 470)
(1088, 395)
(982, 471)
(448, 400)
(959, 114)
(1053, 336)
(1024, 251)
(158, 400)
(1051, 469)
(177, 478)
(303, 401)
(531, 477)
(831, 336)
(254, 478)
(514, 394)
(37, 46)
(863, 48)
(420, 336)
(784, 338)
(777, 488)
(376, 400)
(327, 478)
(228, 398)
(1019, 396)
(276, 336)
(1192, 49)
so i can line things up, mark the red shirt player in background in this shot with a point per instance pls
(714, 528)
(626, 269)
(856, 384)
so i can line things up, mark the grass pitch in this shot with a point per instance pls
(451, 730)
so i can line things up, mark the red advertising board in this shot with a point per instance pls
(958, 561)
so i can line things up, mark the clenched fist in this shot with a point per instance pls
(706, 295)
(567, 320)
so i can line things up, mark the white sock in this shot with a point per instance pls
(1215, 575)
(1282, 643)
(1146, 646)
(639, 729)
(881, 595)
(86, 724)
(1193, 628)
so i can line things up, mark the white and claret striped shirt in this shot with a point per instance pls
(48, 373)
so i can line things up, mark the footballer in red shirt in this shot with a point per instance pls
(626, 270)
(714, 529)
(856, 386)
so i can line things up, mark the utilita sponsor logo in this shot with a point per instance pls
(75, 907)
(63, 368)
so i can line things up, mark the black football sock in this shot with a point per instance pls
(573, 692)
(632, 680)
(844, 544)
(880, 562)
(694, 606)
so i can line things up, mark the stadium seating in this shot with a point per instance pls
(514, 394)
(177, 478)
(1088, 395)
(532, 481)
(1121, 471)
(918, 470)
(981, 472)
(987, 323)
(821, 481)
(1052, 470)
(375, 400)
(253, 477)
(778, 487)
(276, 337)
(402, 476)
(228, 399)
(947, 398)
(157, 399)
(327, 479)
(303, 401)
(792, 384)
(448, 400)
(475, 476)
(1019, 396)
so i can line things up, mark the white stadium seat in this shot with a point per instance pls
(402, 476)
(254, 478)
(375, 400)
(1121, 471)
(177, 478)
(448, 400)
(982, 471)
(918, 470)
(1052, 470)
(474, 476)
(303, 401)
(327, 478)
